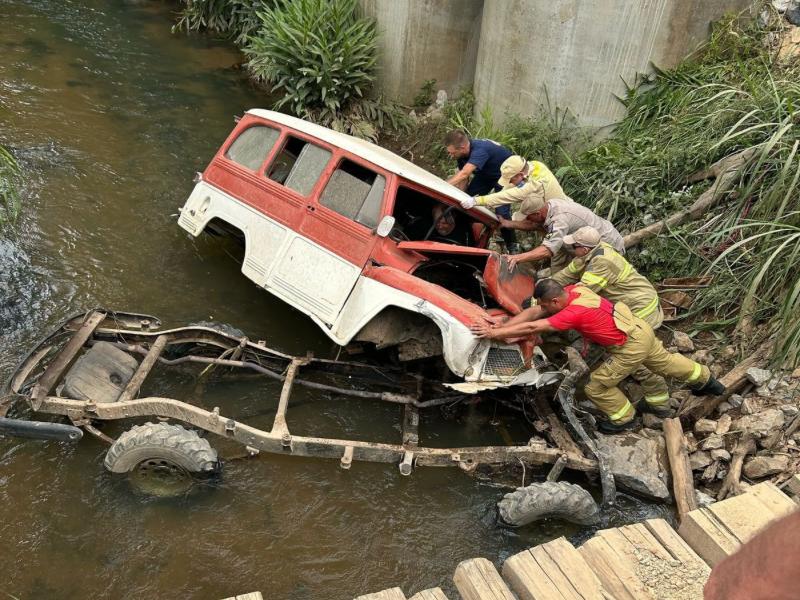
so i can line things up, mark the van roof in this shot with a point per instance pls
(367, 150)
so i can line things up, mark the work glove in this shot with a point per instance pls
(468, 203)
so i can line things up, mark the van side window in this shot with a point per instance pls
(355, 192)
(299, 165)
(251, 147)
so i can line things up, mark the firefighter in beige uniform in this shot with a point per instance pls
(605, 271)
(520, 180)
(559, 217)
(630, 342)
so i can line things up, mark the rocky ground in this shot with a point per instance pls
(756, 432)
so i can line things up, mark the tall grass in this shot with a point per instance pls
(734, 93)
(10, 204)
(236, 19)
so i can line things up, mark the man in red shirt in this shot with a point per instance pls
(630, 342)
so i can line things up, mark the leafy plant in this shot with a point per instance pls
(10, 204)
(236, 19)
(318, 53)
(424, 97)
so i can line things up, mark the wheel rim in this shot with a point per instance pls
(161, 477)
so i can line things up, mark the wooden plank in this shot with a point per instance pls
(554, 571)
(709, 538)
(431, 594)
(527, 578)
(682, 479)
(670, 539)
(64, 359)
(743, 516)
(250, 596)
(641, 539)
(615, 573)
(574, 566)
(775, 501)
(793, 485)
(394, 593)
(477, 579)
(147, 364)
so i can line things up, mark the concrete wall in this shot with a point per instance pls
(577, 52)
(426, 39)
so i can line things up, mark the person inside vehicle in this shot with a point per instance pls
(479, 163)
(448, 229)
(629, 341)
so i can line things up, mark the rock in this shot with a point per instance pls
(793, 15)
(758, 376)
(703, 356)
(652, 421)
(771, 440)
(735, 400)
(691, 442)
(720, 454)
(441, 99)
(750, 406)
(723, 425)
(634, 461)
(704, 499)
(682, 342)
(713, 442)
(790, 411)
(724, 407)
(705, 426)
(762, 423)
(763, 466)
(796, 373)
(711, 471)
(699, 460)
(783, 5)
(728, 353)
(716, 370)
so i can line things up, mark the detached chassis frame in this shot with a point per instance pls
(40, 373)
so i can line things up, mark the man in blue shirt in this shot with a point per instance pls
(478, 171)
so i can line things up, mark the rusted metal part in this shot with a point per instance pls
(410, 426)
(279, 425)
(87, 425)
(57, 368)
(130, 391)
(557, 469)
(566, 398)
(309, 446)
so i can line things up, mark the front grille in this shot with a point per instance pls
(503, 362)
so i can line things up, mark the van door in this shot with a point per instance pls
(322, 261)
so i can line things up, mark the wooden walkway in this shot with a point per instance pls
(645, 561)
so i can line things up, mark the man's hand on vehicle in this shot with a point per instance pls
(468, 203)
(481, 329)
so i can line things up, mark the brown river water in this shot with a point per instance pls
(110, 115)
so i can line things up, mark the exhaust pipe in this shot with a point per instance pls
(40, 430)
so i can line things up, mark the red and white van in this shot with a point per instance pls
(343, 230)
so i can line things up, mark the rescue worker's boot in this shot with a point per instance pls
(712, 387)
(619, 425)
(662, 411)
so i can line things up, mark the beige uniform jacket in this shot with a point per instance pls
(565, 217)
(541, 183)
(606, 272)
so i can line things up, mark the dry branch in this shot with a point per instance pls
(682, 481)
(699, 407)
(726, 171)
(730, 487)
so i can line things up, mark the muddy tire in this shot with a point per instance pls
(549, 499)
(221, 327)
(162, 459)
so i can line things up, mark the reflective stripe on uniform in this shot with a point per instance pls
(695, 373)
(592, 279)
(621, 412)
(572, 267)
(657, 400)
(626, 270)
(647, 310)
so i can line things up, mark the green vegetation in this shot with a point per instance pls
(236, 19)
(9, 196)
(735, 93)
